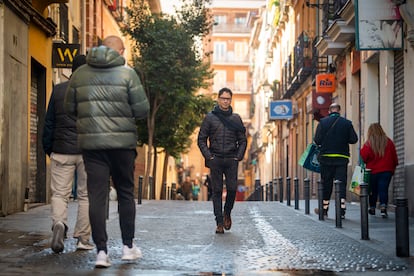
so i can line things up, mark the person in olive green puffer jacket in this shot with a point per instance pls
(107, 98)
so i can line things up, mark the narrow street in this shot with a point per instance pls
(178, 238)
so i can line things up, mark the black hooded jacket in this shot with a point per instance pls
(334, 142)
(224, 141)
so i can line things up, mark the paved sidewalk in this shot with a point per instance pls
(170, 232)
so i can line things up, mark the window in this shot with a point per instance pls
(220, 80)
(240, 51)
(220, 19)
(240, 19)
(240, 80)
(63, 23)
(220, 49)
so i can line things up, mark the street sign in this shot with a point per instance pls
(280, 110)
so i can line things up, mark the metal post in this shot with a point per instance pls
(168, 193)
(173, 191)
(363, 199)
(338, 219)
(296, 190)
(281, 189)
(306, 188)
(140, 179)
(401, 228)
(150, 187)
(275, 188)
(288, 191)
(257, 189)
(320, 199)
(267, 192)
(271, 191)
(164, 188)
(261, 192)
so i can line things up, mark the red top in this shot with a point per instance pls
(377, 164)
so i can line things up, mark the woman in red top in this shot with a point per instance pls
(380, 156)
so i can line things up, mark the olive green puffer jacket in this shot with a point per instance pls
(106, 97)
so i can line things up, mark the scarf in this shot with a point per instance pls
(224, 116)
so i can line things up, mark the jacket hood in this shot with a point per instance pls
(104, 57)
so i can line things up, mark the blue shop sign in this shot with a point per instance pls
(280, 110)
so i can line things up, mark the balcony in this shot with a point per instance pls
(298, 67)
(338, 26)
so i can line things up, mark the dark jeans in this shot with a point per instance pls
(218, 168)
(99, 166)
(379, 183)
(329, 173)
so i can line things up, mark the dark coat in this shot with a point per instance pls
(222, 142)
(59, 132)
(335, 141)
(107, 97)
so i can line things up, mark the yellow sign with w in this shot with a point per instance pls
(63, 54)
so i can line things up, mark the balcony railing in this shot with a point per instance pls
(330, 9)
(298, 66)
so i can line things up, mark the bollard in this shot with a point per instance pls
(296, 190)
(257, 189)
(281, 189)
(164, 189)
(270, 191)
(140, 179)
(288, 191)
(320, 200)
(363, 199)
(267, 192)
(168, 196)
(338, 219)
(173, 191)
(306, 188)
(275, 188)
(401, 228)
(150, 188)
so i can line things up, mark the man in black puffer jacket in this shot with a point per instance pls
(107, 98)
(334, 134)
(60, 143)
(226, 146)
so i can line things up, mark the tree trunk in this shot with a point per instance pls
(163, 194)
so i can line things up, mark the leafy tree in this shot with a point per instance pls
(172, 70)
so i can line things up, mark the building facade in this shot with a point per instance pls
(29, 29)
(296, 41)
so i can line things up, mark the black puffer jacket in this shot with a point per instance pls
(59, 132)
(107, 97)
(334, 142)
(223, 142)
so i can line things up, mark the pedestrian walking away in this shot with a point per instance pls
(60, 143)
(222, 141)
(333, 135)
(380, 156)
(107, 98)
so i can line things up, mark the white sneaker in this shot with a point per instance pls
(130, 254)
(84, 245)
(102, 260)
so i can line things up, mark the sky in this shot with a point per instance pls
(167, 6)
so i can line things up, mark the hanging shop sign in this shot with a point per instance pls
(378, 25)
(325, 83)
(63, 54)
(281, 110)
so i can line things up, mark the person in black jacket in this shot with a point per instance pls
(226, 146)
(60, 143)
(334, 134)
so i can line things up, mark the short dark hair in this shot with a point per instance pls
(78, 61)
(225, 89)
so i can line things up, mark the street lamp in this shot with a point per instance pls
(266, 87)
